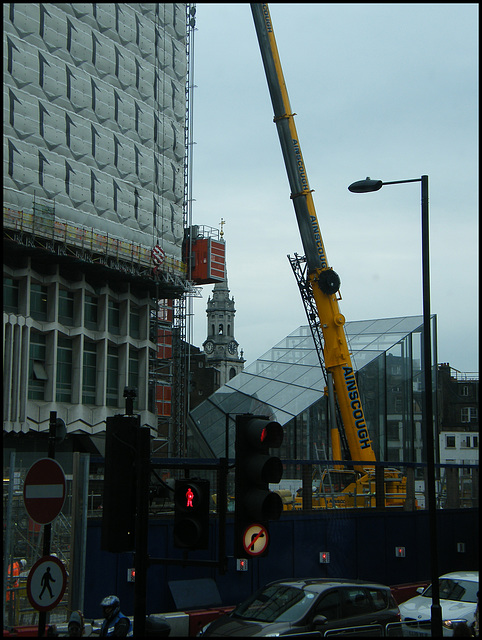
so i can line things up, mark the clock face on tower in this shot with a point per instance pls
(232, 346)
(209, 347)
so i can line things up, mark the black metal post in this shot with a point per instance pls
(222, 507)
(436, 610)
(42, 615)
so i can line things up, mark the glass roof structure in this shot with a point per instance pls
(286, 380)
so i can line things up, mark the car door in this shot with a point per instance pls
(357, 607)
(328, 606)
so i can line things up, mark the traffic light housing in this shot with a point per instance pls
(191, 514)
(119, 499)
(255, 504)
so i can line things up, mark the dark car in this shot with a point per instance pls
(288, 607)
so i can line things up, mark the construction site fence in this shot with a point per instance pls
(456, 488)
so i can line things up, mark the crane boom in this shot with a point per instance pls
(324, 281)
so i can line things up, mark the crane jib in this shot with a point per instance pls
(324, 282)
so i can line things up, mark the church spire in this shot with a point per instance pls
(220, 346)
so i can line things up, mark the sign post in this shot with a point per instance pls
(44, 496)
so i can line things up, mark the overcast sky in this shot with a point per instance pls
(388, 91)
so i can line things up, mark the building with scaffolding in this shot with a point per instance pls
(96, 208)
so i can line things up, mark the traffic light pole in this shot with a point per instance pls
(141, 558)
(222, 505)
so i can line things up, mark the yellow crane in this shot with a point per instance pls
(323, 284)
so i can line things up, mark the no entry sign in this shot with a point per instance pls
(44, 490)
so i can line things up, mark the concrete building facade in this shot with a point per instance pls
(96, 101)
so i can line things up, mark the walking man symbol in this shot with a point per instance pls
(45, 583)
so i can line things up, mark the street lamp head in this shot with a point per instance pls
(364, 186)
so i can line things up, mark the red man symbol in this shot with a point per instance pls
(189, 496)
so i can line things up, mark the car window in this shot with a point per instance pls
(355, 602)
(329, 605)
(379, 599)
(276, 603)
(458, 590)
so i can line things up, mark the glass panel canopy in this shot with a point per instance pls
(287, 380)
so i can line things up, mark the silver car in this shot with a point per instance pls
(459, 593)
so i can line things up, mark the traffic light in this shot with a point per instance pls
(119, 500)
(191, 514)
(255, 504)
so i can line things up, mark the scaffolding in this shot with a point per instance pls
(171, 373)
(40, 228)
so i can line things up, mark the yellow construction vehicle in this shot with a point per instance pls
(345, 489)
(319, 287)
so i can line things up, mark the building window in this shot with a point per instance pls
(90, 311)
(469, 414)
(10, 295)
(89, 373)
(450, 442)
(112, 387)
(37, 372)
(66, 307)
(114, 317)
(465, 444)
(134, 331)
(464, 390)
(38, 301)
(64, 370)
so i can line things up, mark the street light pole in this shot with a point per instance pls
(365, 186)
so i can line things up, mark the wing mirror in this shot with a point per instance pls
(320, 620)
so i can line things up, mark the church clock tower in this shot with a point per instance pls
(220, 347)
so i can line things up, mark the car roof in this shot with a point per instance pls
(320, 584)
(472, 576)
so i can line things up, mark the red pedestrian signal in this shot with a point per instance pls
(189, 497)
(191, 514)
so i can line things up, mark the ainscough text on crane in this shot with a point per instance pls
(267, 18)
(355, 405)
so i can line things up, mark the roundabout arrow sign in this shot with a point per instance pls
(44, 490)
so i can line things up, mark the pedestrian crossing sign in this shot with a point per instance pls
(46, 583)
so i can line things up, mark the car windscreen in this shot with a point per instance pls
(458, 590)
(276, 603)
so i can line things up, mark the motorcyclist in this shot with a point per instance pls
(115, 624)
